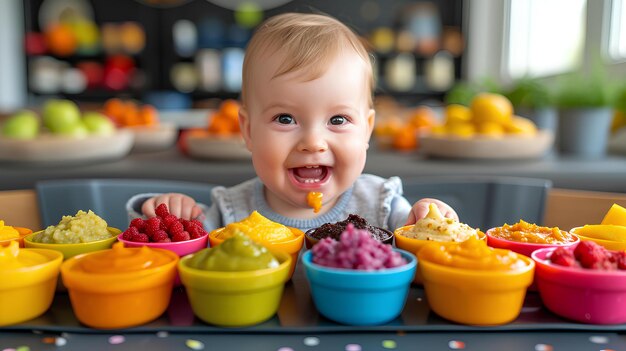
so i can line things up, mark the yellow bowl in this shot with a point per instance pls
(415, 245)
(608, 244)
(26, 293)
(291, 247)
(119, 300)
(71, 250)
(23, 233)
(235, 299)
(475, 297)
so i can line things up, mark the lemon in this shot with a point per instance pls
(458, 113)
(521, 126)
(489, 107)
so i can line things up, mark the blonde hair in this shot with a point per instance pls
(308, 41)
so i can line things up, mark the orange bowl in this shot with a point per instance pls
(415, 245)
(23, 232)
(291, 247)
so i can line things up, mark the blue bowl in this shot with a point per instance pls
(357, 297)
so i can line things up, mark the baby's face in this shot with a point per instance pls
(308, 135)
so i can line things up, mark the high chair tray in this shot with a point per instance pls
(297, 314)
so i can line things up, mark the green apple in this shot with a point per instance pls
(98, 124)
(22, 125)
(60, 116)
(78, 130)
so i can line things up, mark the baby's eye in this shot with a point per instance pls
(285, 119)
(338, 120)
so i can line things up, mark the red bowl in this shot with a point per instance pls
(522, 248)
(584, 295)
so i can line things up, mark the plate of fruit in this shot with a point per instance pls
(487, 129)
(221, 140)
(143, 121)
(62, 134)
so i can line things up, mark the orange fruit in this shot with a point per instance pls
(61, 39)
(230, 109)
(423, 116)
(405, 139)
(149, 115)
(489, 107)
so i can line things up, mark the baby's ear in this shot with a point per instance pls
(244, 125)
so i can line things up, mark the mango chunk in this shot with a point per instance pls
(604, 232)
(615, 216)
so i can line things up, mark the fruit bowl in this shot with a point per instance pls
(310, 241)
(23, 233)
(523, 248)
(49, 148)
(217, 147)
(154, 138)
(583, 295)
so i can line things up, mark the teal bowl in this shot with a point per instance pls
(357, 297)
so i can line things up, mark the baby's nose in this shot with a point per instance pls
(312, 142)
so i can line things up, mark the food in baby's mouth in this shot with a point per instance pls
(82, 228)
(314, 200)
(258, 228)
(356, 249)
(436, 227)
(334, 230)
(237, 253)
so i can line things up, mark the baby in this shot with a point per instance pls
(306, 117)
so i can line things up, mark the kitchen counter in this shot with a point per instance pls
(607, 174)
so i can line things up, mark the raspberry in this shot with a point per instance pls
(153, 225)
(168, 240)
(181, 236)
(176, 227)
(196, 232)
(138, 223)
(128, 233)
(169, 219)
(162, 211)
(620, 258)
(141, 238)
(592, 255)
(159, 235)
(563, 257)
(197, 222)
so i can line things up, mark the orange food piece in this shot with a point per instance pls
(61, 39)
(114, 108)
(525, 232)
(230, 108)
(405, 139)
(314, 199)
(149, 115)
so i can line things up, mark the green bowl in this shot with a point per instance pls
(71, 250)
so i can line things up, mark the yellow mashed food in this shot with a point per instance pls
(82, 228)
(7, 232)
(435, 227)
(258, 228)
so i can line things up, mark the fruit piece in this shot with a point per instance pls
(563, 257)
(521, 126)
(458, 113)
(490, 129)
(130, 233)
(488, 107)
(138, 223)
(461, 129)
(615, 216)
(61, 39)
(591, 255)
(162, 211)
(604, 232)
(61, 116)
(98, 124)
(405, 139)
(22, 125)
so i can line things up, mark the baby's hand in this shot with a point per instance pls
(420, 209)
(179, 205)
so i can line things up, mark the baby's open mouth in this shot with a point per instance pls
(310, 174)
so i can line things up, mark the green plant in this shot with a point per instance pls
(586, 90)
(462, 93)
(528, 92)
(620, 100)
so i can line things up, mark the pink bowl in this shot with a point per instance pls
(584, 295)
(520, 247)
(181, 248)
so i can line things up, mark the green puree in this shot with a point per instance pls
(237, 253)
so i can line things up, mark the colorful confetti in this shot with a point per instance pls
(194, 344)
(353, 347)
(60, 341)
(117, 339)
(389, 344)
(456, 345)
(597, 339)
(162, 334)
(311, 341)
(543, 347)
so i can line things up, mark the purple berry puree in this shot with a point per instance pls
(356, 249)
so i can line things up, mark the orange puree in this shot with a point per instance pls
(314, 199)
(120, 259)
(531, 233)
(472, 254)
(258, 228)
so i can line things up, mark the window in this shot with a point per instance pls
(617, 31)
(547, 37)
